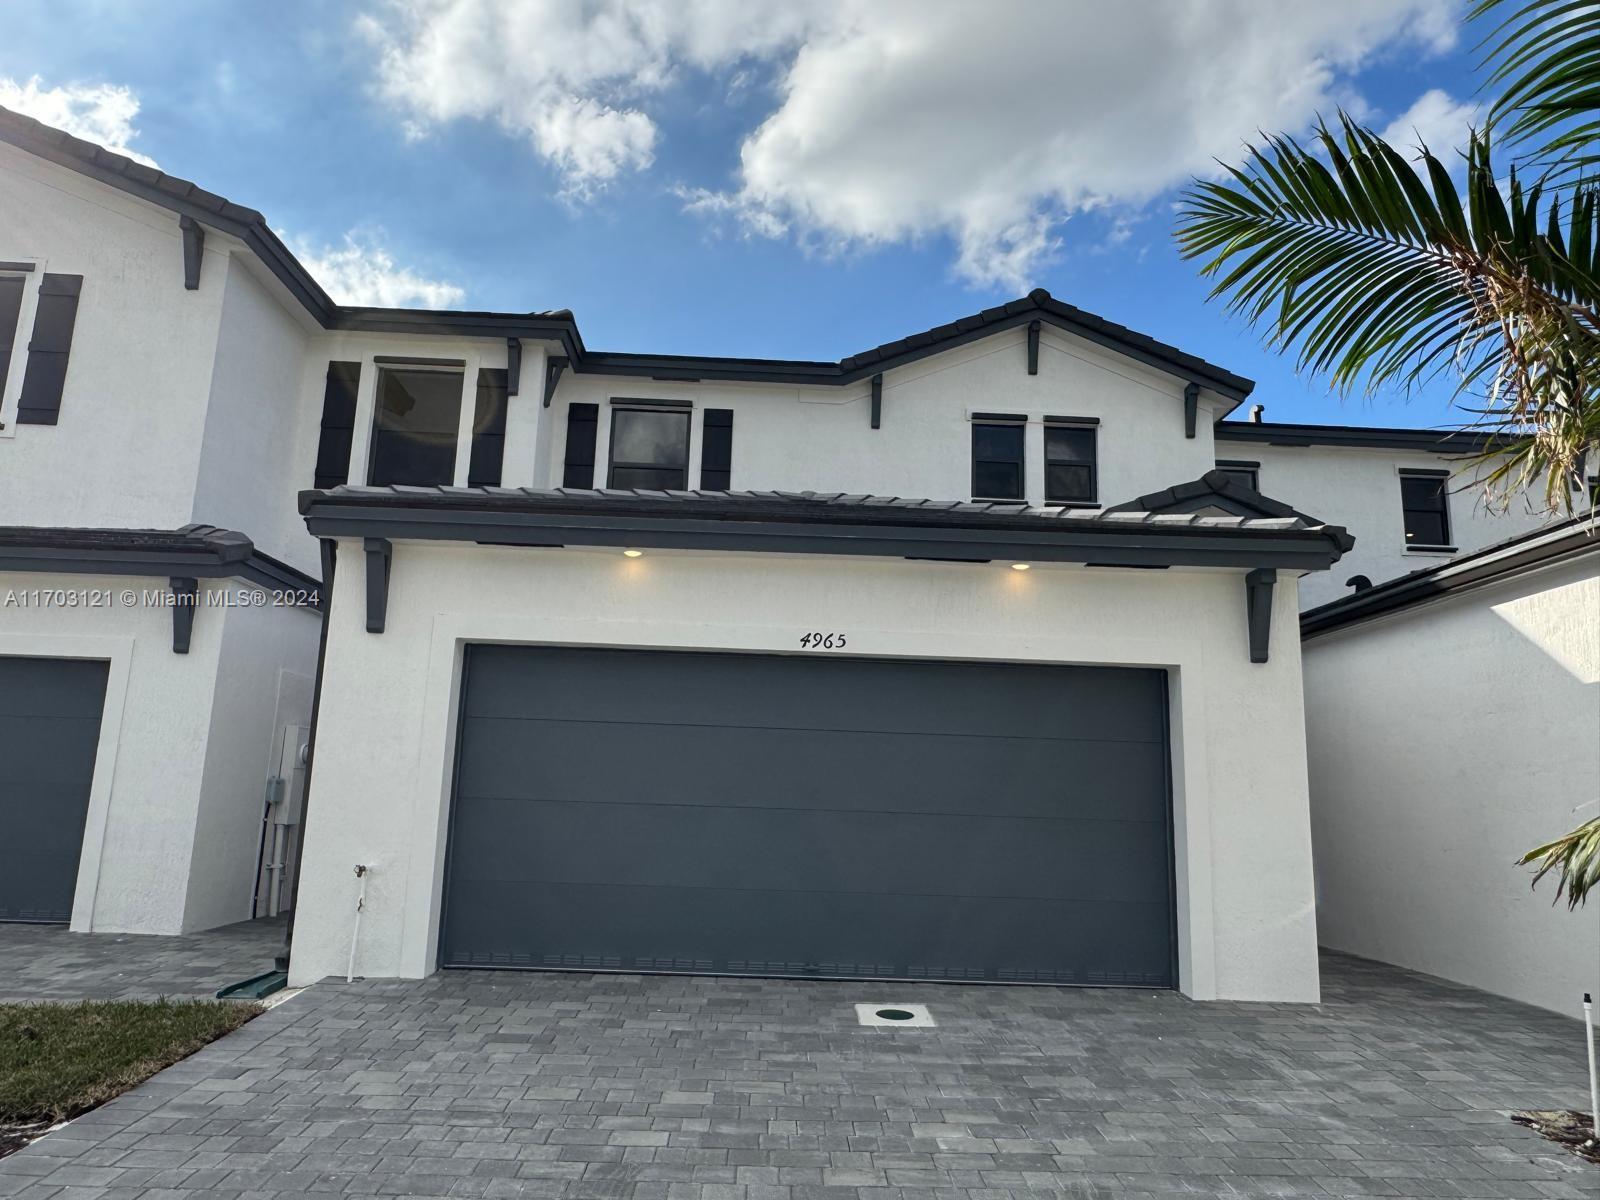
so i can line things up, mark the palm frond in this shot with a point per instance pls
(1574, 857)
(1545, 59)
(1374, 272)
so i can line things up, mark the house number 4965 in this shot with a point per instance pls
(822, 641)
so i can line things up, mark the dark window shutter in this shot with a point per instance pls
(338, 424)
(488, 429)
(46, 372)
(583, 422)
(716, 449)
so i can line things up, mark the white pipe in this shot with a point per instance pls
(355, 932)
(275, 871)
(1594, 1080)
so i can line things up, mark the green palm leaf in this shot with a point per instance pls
(1545, 58)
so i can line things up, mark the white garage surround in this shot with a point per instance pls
(386, 735)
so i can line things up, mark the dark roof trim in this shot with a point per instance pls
(1217, 489)
(1431, 441)
(193, 551)
(248, 225)
(1542, 548)
(808, 523)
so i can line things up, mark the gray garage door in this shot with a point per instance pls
(49, 728)
(809, 816)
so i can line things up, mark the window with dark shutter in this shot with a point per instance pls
(1070, 467)
(1425, 510)
(10, 311)
(997, 454)
(338, 425)
(583, 423)
(716, 449)
(416, 422)
(488, 429)
(46, 373)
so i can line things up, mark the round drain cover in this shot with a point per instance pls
(895, 1014)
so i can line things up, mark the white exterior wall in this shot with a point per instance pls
(1445, 742)
(1359, 488)
(181, 766)
(385, 740)
(127, 448)
(819, 438)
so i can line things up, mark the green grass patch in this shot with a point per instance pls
(58, 1060)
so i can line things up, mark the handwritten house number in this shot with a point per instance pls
(823, 641)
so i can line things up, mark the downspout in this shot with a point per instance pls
(330, 554)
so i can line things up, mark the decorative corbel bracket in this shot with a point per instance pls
(553, 366)
(380, 553)
(1258, 610)
(877, 401)
(1191, 409)
(185, 599)
(194, 244)
(1033, 347)
(513, 365)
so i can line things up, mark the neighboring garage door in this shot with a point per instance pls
(811, 816)
(49, 730)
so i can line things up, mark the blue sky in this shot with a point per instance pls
(704, 176)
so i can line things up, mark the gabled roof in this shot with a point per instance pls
(199, 551)
(249, 226)
(1432, 441)
(1553, 544)
(1218, 494)
(819, 523)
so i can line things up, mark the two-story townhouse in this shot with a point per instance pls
(642, 662)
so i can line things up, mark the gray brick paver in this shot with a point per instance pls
(656, 1088)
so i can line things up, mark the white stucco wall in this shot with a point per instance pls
(163, 849)
(382, 774)
(820, 438)
(1359, 488)
(1445, 741)
(256, 422)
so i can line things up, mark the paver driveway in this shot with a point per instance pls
(481, 1084)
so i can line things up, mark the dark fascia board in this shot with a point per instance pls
(187, 199)
(886, 530)
(193, 551)
(1431, 441)
(1542, 548)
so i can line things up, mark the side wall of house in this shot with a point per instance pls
(385, 742)
(126, 450)
(1446, 741)
(1360, 489)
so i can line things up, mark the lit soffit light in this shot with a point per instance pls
(1021, 566)
(632, 553)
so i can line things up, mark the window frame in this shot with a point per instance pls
(1017, 421)
(1090, 425)
(625, 404)
(1239, 466)
(1442, 478)
(31, 269)
(380, 364)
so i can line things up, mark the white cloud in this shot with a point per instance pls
(361, 271)
(896, 120)
(102, 113)
(1438, 121)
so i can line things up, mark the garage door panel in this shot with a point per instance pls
(629, 928)
(809, 850)
(781, 815)
(820, 692)
(769, 768)
(49, 735)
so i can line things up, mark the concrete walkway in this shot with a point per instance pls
(48, 962)
(660, 1088)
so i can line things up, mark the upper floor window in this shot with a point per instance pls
(416, 424)
(1070, 470)
(11, 290)
(649, 447)
(1423, 503)
(997, 457)
(1245, 474)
